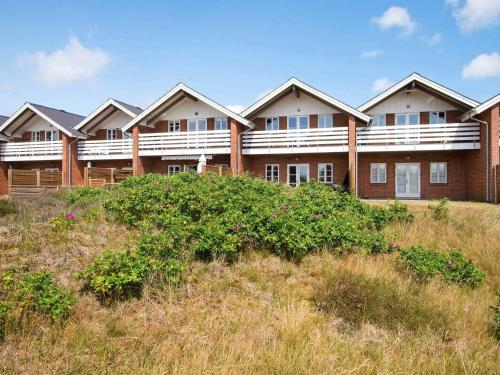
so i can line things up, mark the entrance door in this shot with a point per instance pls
(298, 173)
(408, 180)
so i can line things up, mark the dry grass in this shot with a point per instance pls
(261, 314)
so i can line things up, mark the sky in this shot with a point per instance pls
(74, 55)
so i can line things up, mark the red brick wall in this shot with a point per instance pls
(313, 121)
(340, 119)
(424, 118)
(154, 164)
(4, 179)
(256, 164)
(390, 119)
(455, 188)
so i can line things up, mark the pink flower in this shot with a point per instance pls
(274, 214)
(394, 245)
(450, 262)
(69, 216)
(236, 228)
(318, 216)
(284, 207)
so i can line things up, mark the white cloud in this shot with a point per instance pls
(396, 17)
(372, 54)
(483, 66)
(381, 84)
(236, 108)
(434, 39)
(74, 62)
(473, 15)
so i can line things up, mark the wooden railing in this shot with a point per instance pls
(185, 143)
(295, 141)
(23, 151)
(105, 150)
(460, 136)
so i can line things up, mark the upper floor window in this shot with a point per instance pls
(407, 119)
(110, 134)
(439, 173)
(221, 123)
(197, 124)
(36, 136)
(378, 120)
(51, 135)
(174, 126)
(298, 122)
(272, 123)
(325, 173)
(437, 117)
(127, 135)
(325, 121)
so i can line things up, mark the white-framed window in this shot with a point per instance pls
(297, 174)
(407, 118)
(191, 168)
(325, 121)
(173, 169)
(197, 124)
(272, 172)
(222, 165)
(439, 173)
(378, 173)
(110, 134)
(437, 117)
(298, 122)
(51, 135)
(325, 173)
(378, 120)
(272, 123)
(36, 136)
(221, 123)
(51, 169)
(127, 135)
(174, 126)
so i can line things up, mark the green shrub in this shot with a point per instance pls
(4, 308)
(358, 299)
(496, 317)
(6, 207)
(451, 267)
(439, 211)
(39, 293)
(62, 222)
(85, 194)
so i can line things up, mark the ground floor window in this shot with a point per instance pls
(51, 169)
(378, 173)
(439, 173)
(272, 172)
(325, 173)
(297, 174)
(173, 169)
(191, 168)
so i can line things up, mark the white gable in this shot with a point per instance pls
(415, 101)
(188, 108)
(291, 105)
(35, 124)
(116, 121)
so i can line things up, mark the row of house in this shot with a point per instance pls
(417, 139)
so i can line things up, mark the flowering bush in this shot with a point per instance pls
(451, 267)
(62, 221)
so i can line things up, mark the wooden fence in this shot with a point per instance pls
(28, 182)
(220, 170)
(101, 177)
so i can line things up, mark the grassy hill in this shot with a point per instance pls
(310, 281)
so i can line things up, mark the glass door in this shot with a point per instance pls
(298, 173)
(408, 180)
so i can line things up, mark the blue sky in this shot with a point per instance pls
(74, 55)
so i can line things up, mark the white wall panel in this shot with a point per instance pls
(290, 105)
(188, 108)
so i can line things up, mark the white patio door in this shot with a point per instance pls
(298, 173)
(408, 180)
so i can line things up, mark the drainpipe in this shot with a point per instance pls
(69, 161)
(487, 156)
(240, 136)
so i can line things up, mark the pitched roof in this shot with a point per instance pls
(124, 107)
(463, 100)
(183, 89)
(309, 89)
(62, 120)
(482, 107)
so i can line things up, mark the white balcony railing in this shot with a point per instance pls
(105, 150)
(460, 136)
(25, 151)
(295, 141)
(185, 143)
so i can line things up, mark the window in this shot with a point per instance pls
(297, 174)
(221, 123)
(127, 135)
(325, 121)
(222, 165)
(325, 173)
(191, 168)
(439, 174)
(51, 135)
(298, 122)
(272, 172)
(173, 169)
(36, 136)
(174, 126)
(272, 123)
(437, 117)
(407, 119)
(110, 134)
(197, 125)
(51, 169)
(378, 173)
(378, 120)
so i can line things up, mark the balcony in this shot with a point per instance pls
(185, 143)
(105, 150)
(27, 151)
(295, 141)
(422, 137)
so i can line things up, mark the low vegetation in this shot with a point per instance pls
(188, 274)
